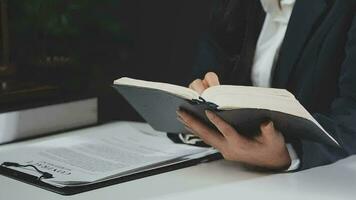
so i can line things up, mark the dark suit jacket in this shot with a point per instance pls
(317, 63)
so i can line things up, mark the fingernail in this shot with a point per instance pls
(209, 114)
(179, 113)
(268, 125)
(271, 125)
(181, 120)
(189, 129)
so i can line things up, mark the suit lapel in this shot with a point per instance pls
(302, 23)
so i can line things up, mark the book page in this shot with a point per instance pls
(181, 91)
(229, 97)
(101, 153)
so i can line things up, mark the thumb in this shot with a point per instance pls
(212, 79)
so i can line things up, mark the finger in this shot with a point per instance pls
(268, 132)
(189, 130)
(205, 83)
(197, 85)
(208, 135)
(181, 120)
(212, 79)
(259, 139)
(226, 129)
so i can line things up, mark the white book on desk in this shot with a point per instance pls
(46, 119)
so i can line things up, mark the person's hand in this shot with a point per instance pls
(210, 79)
(267, 151)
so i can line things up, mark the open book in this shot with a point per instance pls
(244, 107)
(113, 152)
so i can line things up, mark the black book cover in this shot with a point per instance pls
(159, 108)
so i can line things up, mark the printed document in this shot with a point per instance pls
(100, 153)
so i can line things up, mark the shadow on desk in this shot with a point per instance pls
(337, 181)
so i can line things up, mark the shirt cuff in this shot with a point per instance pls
(295, 161)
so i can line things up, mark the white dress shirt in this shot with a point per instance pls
(267, 49)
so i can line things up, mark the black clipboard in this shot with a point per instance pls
(72, 190)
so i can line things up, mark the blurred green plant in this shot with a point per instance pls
(64, 39)
(65, 17)
(64, 32)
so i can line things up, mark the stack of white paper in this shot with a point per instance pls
(100, 153)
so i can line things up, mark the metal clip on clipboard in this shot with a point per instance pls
(44, 175)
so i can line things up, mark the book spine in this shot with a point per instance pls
(202, 101)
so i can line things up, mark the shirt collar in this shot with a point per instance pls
(280, 14)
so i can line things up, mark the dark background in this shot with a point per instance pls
(166, 35)
(157, 41)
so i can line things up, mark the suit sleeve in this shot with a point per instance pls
(210, 55)
(340, 121)
(206, 59)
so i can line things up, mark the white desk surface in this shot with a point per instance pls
(215, 180)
